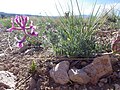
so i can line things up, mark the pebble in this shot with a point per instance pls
(85, 89)
(100, 84)
(104, 80)
(117, 87)
(83, 63)
(58, 88)
(2, 88)
(1, 67)
(76, 86)
(119, 64)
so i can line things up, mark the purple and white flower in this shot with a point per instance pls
(21, 22)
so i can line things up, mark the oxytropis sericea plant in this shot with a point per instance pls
(21, 23)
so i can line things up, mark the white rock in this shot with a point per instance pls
(59, 72)
(8, 79)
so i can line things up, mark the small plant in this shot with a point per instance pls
(20, 23)
(33, 67)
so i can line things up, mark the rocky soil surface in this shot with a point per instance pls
(18, 62)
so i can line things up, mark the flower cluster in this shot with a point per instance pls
(21, 22)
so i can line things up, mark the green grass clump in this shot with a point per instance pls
(75, 36)
(6, 22)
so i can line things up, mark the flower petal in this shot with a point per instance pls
(20, 41)
(17, 20)
(32, 26)
(33, 33)
(20, 45)
(26, 20)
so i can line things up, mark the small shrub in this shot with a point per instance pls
(75, 36)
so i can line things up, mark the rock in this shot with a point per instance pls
(105, 62)
(99, 67)
(30, 51)
(100, 84)
(119, 64)
(4, 86)
(79, 76)
(39, 81)
(7, 80)
(114, 59)
(49, 64)
(104, 80)
(1, 66)
(119, 75)
(76, 87)
(2, 54)
(114, 76)
(83, 63)
(117, 87)
(91, 72)
(90, 88)
(85, 89)
(32, 84)
(58, 88)
(15, 70)
(59, 72)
